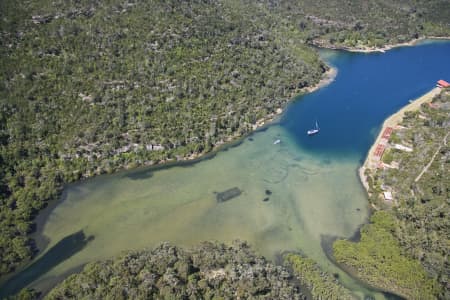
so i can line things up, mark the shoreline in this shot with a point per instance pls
(327, 78)
(231, 141)
(383, 49)
(392, 121)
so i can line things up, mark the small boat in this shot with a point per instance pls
(277, 142)
(314, 130)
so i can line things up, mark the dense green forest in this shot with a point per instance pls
(209, 271)
(90, 87)
(405, 248)
(368, 24)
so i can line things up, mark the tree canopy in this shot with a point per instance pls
(90, 87)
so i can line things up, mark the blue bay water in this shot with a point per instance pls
(368, 88)
(313, 182)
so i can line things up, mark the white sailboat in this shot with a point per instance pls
(314, 130)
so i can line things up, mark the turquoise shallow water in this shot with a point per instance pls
(313, 184)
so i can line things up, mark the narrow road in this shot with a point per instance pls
(432, 159)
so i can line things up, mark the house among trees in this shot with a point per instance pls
(388, 196)
(403, 148)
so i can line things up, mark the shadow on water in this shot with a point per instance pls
(41, 241)
(327, 247)
(64, 249)
(140, 174)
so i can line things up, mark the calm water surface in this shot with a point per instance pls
(315, 190)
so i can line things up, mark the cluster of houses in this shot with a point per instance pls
(378, 154)
(383, 144)
(381, 147)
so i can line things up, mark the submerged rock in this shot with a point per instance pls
(228, 194)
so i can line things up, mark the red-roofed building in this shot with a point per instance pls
(432, 105)
(387, 133)
(379, 150)
(443, 83)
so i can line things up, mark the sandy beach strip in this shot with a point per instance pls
(367, 49)
(392, 122)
